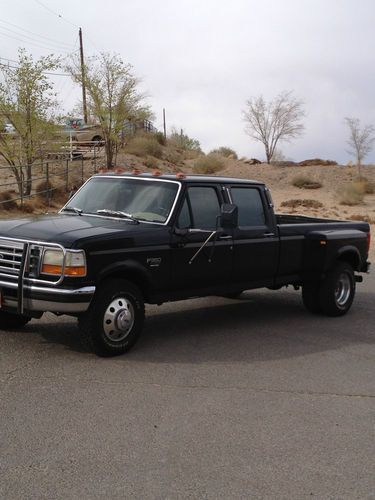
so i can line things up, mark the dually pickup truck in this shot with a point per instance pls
(124, 240)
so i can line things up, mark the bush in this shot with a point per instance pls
(209, 164)
(351, 195)
(226, 152)
(159, 136)
(303, 182)
(143, 146)
(317, 161)
(183, 141)
(364, 185)
(7, 201)
(56, 193)
(302, 203)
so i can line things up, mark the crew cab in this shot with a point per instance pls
(126, 239)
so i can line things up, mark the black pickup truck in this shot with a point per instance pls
(124, 240)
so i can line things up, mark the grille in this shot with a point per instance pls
(11, 256)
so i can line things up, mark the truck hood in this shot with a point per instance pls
(72, 230)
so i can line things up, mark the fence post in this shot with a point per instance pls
(82, 174)
(21, 171)
(47, 183)
(67, 176)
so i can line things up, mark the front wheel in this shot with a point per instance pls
(337, 290)
(114, 321)
(12, 321)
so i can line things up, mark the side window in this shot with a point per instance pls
(205, 208)
(250, 206)
(184, 219)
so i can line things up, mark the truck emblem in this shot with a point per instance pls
(154, 261)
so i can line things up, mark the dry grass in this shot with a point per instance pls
(365, 218)
(7, 201)
(306, 203)
(144, 146)
(351, 195)
(317, 161)
(209, 164)
(363, 185)
(304, 182)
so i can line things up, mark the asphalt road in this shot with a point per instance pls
(221, 399)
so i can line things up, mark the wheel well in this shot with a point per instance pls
(351, 258)
(133, 276)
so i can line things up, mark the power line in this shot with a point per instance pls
(32, 43)
(16, 67)
(59, 47)
(56, 42)
(56, 13)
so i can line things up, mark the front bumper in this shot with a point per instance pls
(46, 298)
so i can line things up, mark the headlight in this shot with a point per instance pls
(75, 263)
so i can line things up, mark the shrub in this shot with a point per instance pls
(7, 201)
(351, 195)
(143, 146)
(303, 182)
(27, 207)
(209, 164)
(226, 152)
(365, 218)
(150, 162)
(56, 193)
(183, 141)
(317, 161)
(302, 203)
(364, 185)
(159, 136)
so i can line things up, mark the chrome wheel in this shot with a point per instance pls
(343, 289)
(118, 319)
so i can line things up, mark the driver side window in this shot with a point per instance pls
(200, 209)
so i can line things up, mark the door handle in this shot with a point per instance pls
(225, 237)
(269, 235)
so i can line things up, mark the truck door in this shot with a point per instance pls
(196, 221)
(256, 244)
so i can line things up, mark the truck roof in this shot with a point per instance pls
(182, 178)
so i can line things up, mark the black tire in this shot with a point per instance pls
(310, 296)
(337, 290)
(12, 321)
(114, 321)
(97, 138)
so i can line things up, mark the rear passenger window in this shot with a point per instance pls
(250, 206)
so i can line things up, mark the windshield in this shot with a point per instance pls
(144, 200)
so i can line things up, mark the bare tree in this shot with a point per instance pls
(361, 140)
(274, 121)
(113, 97)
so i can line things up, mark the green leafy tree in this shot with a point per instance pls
(27, 102)
(113, 97)
(183, 141)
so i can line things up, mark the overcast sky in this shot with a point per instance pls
(202, 59)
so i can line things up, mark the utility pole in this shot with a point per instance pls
(83, 76)
(164, 124)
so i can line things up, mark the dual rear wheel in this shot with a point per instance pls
(333, 295)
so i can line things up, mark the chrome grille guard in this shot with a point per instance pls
(21, 272)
